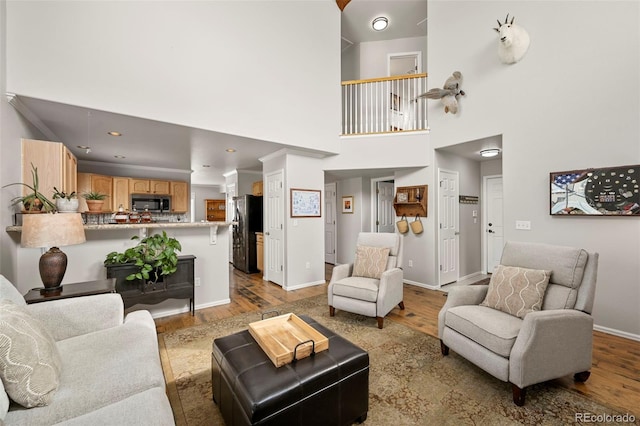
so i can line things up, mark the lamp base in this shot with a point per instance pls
(53, 265)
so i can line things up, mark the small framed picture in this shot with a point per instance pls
(347, 204)
(403, 197)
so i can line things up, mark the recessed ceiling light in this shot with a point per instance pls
(380, 23)
(119, 156)
(112, 133)
(83, 147)
(492, 152)
(230, 150)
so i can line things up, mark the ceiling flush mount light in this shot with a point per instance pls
(112, 133)
(380, 23)
(230, 150)
(206, 165)
(492, 152)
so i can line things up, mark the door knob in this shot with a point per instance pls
(266, 233)
(490, 224)
(490, 231)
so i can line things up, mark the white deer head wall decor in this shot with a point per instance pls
(513, 42)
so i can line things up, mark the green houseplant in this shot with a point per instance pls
(65, 202)
(95, 200)
(36, 200)
(154, 256)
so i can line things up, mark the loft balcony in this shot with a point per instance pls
(384, 105)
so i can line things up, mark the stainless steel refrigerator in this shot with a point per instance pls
(248, 218)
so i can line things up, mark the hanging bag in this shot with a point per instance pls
(403, 225)
(416, 225)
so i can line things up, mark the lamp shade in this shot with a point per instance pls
(52, 230)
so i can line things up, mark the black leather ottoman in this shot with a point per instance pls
(330, 388)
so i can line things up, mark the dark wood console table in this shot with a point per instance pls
(87, 288)
(179, 285)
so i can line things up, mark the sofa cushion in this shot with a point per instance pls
(359, 288)
(4, 402)
(9, 291)
(29, 360)
(370, 262)
(100, 369)
(493, 329)
(516, 291)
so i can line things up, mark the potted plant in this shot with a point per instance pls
(36, 201)
(95, 200)
(66, 203)
(154, 257)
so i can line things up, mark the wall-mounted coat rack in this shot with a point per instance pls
(411, 200)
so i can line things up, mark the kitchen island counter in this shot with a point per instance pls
(154, 225)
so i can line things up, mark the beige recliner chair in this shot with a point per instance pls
(545, 344)
(372, 285)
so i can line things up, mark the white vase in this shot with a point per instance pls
(67, 206)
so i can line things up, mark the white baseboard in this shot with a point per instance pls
(304, 285)
(169, 312)
(466, 277)
(423, 285)
(618, 333)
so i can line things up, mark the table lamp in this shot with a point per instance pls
(52, 230)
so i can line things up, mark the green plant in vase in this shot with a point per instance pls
(95, 200)
(155, 256)
(36, 200)
(65, 202)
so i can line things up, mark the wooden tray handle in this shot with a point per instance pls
(295, 350)
(277, 313)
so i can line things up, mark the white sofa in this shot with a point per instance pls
(110, 370)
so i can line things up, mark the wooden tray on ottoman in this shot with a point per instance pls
(283, 336)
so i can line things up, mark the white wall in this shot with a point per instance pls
(203, 64)
(204, 192)
(85, 263)
(374, 54)
(553, 115)
(304, 236)
(348, 225)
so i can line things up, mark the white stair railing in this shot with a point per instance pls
(384, 105)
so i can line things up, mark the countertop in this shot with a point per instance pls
(155, 225)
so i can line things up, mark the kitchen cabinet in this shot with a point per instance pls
(149, 186)
(256, 188)
(179, 196)
(121, 193)
(57, 166)
(215, 210)
(90, 182)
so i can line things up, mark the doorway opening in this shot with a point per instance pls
(382, 212)
(404, 63)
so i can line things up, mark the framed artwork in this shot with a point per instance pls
(347, 204)
(306, 203)
(610, 191)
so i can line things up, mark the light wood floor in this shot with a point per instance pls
(615, 375)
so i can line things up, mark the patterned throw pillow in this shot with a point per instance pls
(516, 291)
(370, 262)
(29, 360)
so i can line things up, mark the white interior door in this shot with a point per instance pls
(385, 220)
(274, 229)
(449, 224)
(330, 223)
(494, 221)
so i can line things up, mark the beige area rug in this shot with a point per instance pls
(410, 382)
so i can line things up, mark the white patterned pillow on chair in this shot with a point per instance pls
(516, 291)
(370, 262)
(29, 360)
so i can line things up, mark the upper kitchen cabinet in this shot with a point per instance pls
(121, 193)
(179, 197)
(57, 166)
(149, 186)
(90, 182)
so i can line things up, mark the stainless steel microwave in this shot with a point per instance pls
(155, 204)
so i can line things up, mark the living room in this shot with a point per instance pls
(543, 107)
